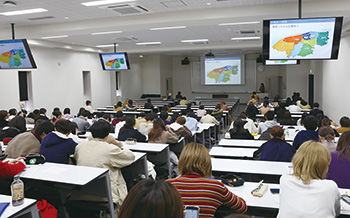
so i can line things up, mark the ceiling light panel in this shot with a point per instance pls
(54, 37)
(105, 33)
(240, 23)
(105, 2)
(21, 12)
(169, 28)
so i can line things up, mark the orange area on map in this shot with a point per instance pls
(7, 54)
(284, 46)
(219, 70)
(295, 39)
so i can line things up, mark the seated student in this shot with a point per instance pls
(310, 123)
(201, 111)
(16, 126)
(130, 106)
(8, 169)
(170, 97)
(276, 149)
(255, 96)
(287, 119)
(56, 115)
(184, 101)
(150, 198)
(118, 106)
(224, 107)
(108, 118)
(315, 109)
(42, 114)
(179, 128)
(129, 131)
(195, 187)
(265, 107)
(30, 118)
(187, 110)
(217, 112)
(74, 134)
(280, 110)
(345, 124)
(140, 119)
(98, 153)
(239, 132)
(119, 125)
(88, 106)
(29, 142)
(80, 112)
(81, 121)
(248, 123)
(327, 122)
(304, 104)
(56, 146)
(326, 135)
(146, 127)
(148, 104)
(251, 111)
(191, 121)
(56, 109)
(207, 118)
(178, 96)
(306, 193)
(164, 116)
(66, 113)
(269, 123)
(300, 121)
(13, 114)
(118, 117)
(293, 107)
(339, 168)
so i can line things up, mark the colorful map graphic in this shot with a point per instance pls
(303, 44)
(115, 63)
(223, 74)
(13, 57)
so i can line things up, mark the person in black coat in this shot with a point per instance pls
(238, 131)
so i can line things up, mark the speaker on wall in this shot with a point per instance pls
(23, 85)
(185, 61)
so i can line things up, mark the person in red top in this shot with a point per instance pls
(10, 168)
(195, 187)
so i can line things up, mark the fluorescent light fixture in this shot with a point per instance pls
(148, 43)
(195, 40)
(104, 33)
(241, 23)
(169, 28)
(105, 46)
(105, 2)
(246, 38)
(54, 37)
(29, 11)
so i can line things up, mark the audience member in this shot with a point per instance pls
(42, 114)
(66, 113)
(310, 123)
(209, 119)
(300, 122)
(140, 119)
(217, 112)
(184, 101)
(170, 97)
(345, 124)
(327, 122)
(269, 123)
(251, 111)
(239, 132)
(56, 146)
(30, 118)
(118, 106)
(315, 109)
(146, 127)
(13, 114)
(56, 116)
(108, 118)
(307, 184)
(304, 105)
(88, 106)
(296, 96)
(280, 111)
(81, 121)
(195, 187)
(326, 135)
(128, 131)
(255, 96)
(164, 116)
(28, 142)
(339, 168)
(276, 149)
(201, 111)
(98, 153)
(191, 121)
(224, 107)
(187, 110)
(179, 128)
(293, 108)
(248, 123)
(149, 199)
(4, 115)
(16, 126)
(130, 106)
(80, 112)
(118, 117)
(288, 102)
(178, 96)
(119, 125)
(287, 119)
(265, 108)
(148, 104)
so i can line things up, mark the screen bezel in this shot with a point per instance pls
(117, 53)
(297, 62)
(335, 45)
(28, 51)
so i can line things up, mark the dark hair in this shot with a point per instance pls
(66, 110)
(129, 124)
(345, 121)
(45, 127)
(218, 106)
(344, 145)
(13, 111)
(287, 116)
(303, 102)
(315, 104)
(56, 109)
(87, 102)
(18, 122)
(107, 117)
(282, 105)
(326, 121)
(188, 106)
(130, 102)
(238, 126)
(85, 113)
(150, 198)
(242, 116)
(150, 116)
(266, 103)
(3, 114)
(191, 114)
(327, 132)
(269, 115)
(142, 114)
(148, 100)
(163, 115)
(100, 129)
(310, 122)
(119, 104)
(288, 102)
(81, 110)
(181, 120)
(74, 127)
(56, 114)
(63, 126)
(201, 106)
(31, 115)
(157, 130)
(119, 114)
(277, 131)
(42, 110)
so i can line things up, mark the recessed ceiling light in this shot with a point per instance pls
(208, 3)
(54, 37)
(29, 11)
(105, 2)
(168, 28)
(105, 33)
(195, 40)
(241, 23)
(148, 43)
(246, 38)
(104, 46)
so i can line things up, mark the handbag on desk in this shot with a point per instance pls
(232, 180)
(33, 159)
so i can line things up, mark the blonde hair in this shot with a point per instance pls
(195, 158)
(311, 161)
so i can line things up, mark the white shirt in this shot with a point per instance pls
(320, 198)
(250, 126)
(293, 108)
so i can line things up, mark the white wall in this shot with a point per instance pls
(151, 74)
(297, 79)
(9, 97)
(336, 80)
(131, 81)
(166, 71)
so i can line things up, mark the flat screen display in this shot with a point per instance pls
(298, 39)
(223, 71)
(281, 62)
(115, 61)
(16, 54)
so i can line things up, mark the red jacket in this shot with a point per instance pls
(7, 170)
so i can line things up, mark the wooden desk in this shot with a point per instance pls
(243, 143)
(222, 152)
(28, 207)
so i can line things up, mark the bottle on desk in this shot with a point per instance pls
(17, 190)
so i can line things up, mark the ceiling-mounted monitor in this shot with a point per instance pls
(282, 62)
(16, 54)
(299, 39)
(115, 61)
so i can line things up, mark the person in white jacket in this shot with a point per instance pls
(249, 123)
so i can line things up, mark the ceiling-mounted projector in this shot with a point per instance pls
(210, 55)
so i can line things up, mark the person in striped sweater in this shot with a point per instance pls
(195, 186)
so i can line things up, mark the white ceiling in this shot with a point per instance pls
(70, 17)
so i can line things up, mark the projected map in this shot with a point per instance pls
(13, 57)
(222, 71)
